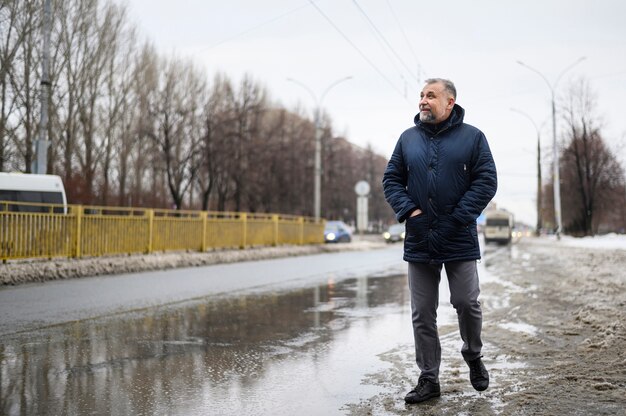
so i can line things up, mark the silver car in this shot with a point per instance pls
(394, 233)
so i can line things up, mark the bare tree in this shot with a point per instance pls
(249, 106)
(340, 175)
(271, 170)
(87, 33)
(218, 116)
(295, 179)
(59, 59)
(177, 128)
(98, 50)
(127, 114)
(66, 89)
(137, 151)
(117, 113)
(24, 81)
(592, 176)
(12, 35)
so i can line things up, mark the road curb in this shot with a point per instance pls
(29, 271)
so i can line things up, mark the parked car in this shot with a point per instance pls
(337, 232)
(394, 233)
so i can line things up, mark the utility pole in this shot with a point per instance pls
(317, 191)
(41, 145)
(539, 225)
(555, 152)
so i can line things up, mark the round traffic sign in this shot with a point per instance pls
(362, 188)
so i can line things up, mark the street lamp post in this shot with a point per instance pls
(555, 153)
(539, 191)
(40, 162)
(317, 191)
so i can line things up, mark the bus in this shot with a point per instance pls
(498, 226)
(32, 188)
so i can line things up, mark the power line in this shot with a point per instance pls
(384, 48)
(252, 29)
(385, 40)
(406, 38)
(358, 50)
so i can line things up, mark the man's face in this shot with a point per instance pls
(435, 103)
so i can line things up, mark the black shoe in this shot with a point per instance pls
(478, 374)
(424, 390)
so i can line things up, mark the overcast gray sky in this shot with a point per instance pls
(388, 45)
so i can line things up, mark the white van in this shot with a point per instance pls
(27, 187)
(498, 226)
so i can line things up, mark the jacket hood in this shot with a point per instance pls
(456, 118)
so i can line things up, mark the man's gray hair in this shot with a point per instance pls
(447, 84)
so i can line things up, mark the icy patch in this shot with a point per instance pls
(506, 362)
(514, 288)
(485, 276)
(520, 327)
(302, 340)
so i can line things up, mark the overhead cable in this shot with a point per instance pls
(384, 48)
(358, 50)
(385, 40)
(252, 29)
(406, 38)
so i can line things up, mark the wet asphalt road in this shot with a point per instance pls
(32, 306)
(287, 336)
(281, 337)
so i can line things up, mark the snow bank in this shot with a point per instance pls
(26, 271)
(608, 241)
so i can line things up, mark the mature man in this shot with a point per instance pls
(439, 179)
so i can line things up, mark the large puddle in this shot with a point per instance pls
(299, 351)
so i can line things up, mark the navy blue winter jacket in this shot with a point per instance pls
(448, 172)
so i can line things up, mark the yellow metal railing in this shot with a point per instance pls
(46, 231)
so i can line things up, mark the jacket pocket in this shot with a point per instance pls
(416, 232)
(458, 237)
(462, 177)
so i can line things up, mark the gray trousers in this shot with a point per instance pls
(464, 290)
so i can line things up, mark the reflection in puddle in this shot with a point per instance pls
(277, 353)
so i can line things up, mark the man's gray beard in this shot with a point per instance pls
(427, 117)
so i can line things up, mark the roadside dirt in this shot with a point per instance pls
(554, 334)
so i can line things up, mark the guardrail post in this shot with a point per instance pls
(204, 216)
(5, 245)
(150, 216)
(244, 227)
(275, 222)
(78, 233)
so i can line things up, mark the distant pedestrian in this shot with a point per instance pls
(439, 179)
